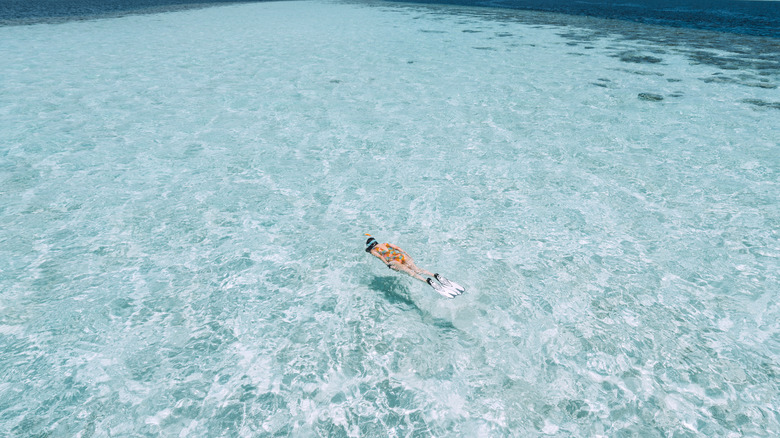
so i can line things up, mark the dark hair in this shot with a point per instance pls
(370, 244)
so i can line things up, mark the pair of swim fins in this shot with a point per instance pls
(447, 288)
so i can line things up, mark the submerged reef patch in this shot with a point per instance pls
(650, 97)
(762, 103)
(637, 58)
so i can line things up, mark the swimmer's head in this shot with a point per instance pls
(370, 243)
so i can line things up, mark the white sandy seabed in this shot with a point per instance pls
(183, 198)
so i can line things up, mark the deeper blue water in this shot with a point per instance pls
(26, 12)
(744, 17)
(761, 18)
(184, 192)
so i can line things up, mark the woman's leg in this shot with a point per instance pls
(402, 267)
(421, 271)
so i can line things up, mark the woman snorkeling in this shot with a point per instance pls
(398, 260)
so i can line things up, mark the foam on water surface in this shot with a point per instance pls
(183, 197)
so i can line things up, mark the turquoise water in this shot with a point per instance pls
(183, 198)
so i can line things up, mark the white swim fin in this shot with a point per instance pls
(450, 284)
(443, 291)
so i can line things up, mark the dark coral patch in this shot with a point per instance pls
(762, 103)
(637, 58)
(650, 97)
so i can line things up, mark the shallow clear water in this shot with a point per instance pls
(183, 198)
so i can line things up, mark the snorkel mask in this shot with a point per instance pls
(370, 243)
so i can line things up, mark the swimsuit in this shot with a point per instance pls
(390, 254)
